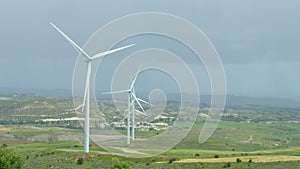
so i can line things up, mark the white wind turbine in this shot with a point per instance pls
(86, 98)
(132, 99)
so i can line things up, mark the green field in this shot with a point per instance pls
(270, 137)
(52, 154)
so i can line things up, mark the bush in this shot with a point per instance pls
(250, 161)
(9, 160)
(238, 160)
(120, 165)
(216, 156)
(80, 161)
(227, 165)
(171, 160)
(196, 154)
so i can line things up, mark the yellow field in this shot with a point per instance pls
(257, 159)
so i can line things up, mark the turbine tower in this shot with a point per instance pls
(86, 98)
(132, 99)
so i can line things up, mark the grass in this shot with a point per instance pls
(43, 155)
(230, 140)
(51, 154)
(235, 136)
(188, 153)
(142, 134)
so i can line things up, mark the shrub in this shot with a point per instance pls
(171, 160)
(80, 161)
(216, 156)
(227, 165)
(238, 160)
(196, 154)
(8, 159)
(250, 161)
(120, 165)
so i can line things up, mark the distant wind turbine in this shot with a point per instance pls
(132, 99)
(86, 98)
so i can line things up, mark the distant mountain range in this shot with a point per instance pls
(37, 92)
(205, 99)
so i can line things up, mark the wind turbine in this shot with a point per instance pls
(132, 99)
(86, 98)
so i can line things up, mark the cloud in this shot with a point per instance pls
(252, 37)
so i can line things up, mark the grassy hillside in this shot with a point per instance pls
(245, 132)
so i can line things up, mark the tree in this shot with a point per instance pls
(9, 160)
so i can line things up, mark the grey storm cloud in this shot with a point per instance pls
(257, 40)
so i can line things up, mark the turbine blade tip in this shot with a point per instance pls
(52, 24)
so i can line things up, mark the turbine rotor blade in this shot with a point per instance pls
(134, 78)
(142, 113)
(135, 98)
(87, 85)
(120, 91)
(132, 103)
(141, 100)
(84, 97)
(78, 107)
(78, 49)
(125, 117)
(110, 51)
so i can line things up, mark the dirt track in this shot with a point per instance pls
(244, 159)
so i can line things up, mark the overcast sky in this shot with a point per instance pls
(258, 41)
